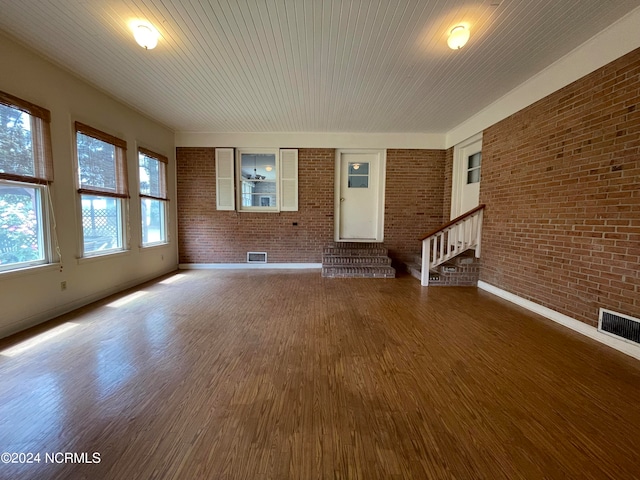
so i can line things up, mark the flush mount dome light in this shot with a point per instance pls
(458, 37)
(146, 36)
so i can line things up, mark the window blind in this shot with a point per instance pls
(102, 167)
(155, 167)
(29, 142)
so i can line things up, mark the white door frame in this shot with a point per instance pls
(459, 174)
(382, 157)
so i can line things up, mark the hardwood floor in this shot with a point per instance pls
(262, 375)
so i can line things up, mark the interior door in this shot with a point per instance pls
(360, 202)
(468, 163)
(471, 187)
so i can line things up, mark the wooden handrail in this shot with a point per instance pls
(454, 221)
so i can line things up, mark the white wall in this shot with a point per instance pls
(30, 297)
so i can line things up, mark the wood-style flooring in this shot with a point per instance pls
(287, 375)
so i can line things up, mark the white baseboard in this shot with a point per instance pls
(576, 325)
(250, 266)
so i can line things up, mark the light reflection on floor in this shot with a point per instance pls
(37, 340)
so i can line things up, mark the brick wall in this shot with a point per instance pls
(561, 180)
(414, 205)
(413, 199)
(206, 235)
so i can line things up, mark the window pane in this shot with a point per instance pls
(101, 223)
(473, 176)
(474, 160)
(151, 178)
(153, 221)
(21, 224)
(16, 150)
(258, 166)
(358, 168)
(358, 181)
(247, 190)
(262, 200)
(96, 162)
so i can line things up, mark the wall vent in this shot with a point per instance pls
(619, 325)
(256, 257)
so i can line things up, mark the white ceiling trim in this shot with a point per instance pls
(612, 43)
(312, 140)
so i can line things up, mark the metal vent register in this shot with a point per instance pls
(256, 257)
(619, 325)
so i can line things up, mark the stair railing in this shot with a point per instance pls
(450, 240)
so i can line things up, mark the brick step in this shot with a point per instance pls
(355, 252)
(355, 260)
(355, 245)
(358, 272)
(459, 271)
(465, 258)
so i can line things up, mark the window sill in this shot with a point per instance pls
(153, 246)
(30, 270)
(258, 210)
(103, 256)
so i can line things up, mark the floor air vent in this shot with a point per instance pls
(256, 257)
(619, 325)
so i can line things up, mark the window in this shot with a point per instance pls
(102, 180)
(358, 175)
(153, 196)
(26, 173)
(265, 180)
(258, 176)
(473, 168)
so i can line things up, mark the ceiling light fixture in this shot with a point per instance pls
(458, 37)
(146, 36)
(268, 168)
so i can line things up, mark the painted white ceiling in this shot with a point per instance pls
(308, 65)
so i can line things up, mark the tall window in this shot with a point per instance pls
(153, 197)
(26, 172)
(102, 180)
(258, 179)
(473, 168)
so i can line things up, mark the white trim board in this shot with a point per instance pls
(572, 323)
(249, 266)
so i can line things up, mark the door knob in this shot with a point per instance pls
(342, 199)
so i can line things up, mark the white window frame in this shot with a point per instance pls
(40, 179)
(122, 202)
(163, 201)
(230, 184)
(239, 179)
(45, 228)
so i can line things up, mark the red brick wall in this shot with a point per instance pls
(413, 199)
(414, 205)
(561, 180)
(206, 235)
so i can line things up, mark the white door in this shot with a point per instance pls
(360, 195)
(466, 176)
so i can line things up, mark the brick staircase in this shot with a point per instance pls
(462, 270)
(356, 260)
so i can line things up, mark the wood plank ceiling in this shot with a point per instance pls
(308, 65)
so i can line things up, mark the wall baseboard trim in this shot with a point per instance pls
(572, 323)
(248, 266)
